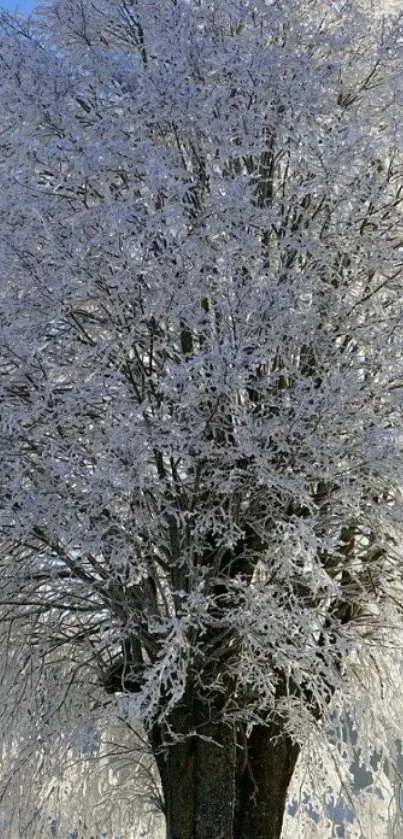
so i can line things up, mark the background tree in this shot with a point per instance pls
(201, 374)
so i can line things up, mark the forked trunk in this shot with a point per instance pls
(263, 781)
(212, 790)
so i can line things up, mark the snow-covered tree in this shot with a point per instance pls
(201, 371)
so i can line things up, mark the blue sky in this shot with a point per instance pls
(20, 5)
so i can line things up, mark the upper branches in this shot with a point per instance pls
(201, 342)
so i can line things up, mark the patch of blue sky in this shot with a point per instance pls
(21, 6)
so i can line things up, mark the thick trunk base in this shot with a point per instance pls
(216, 788)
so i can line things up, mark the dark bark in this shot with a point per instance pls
(197, 775)
(217, 783)
(263, 778)
(215, 789)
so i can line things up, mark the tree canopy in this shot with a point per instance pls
(201, 371)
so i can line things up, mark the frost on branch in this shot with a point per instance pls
(201, 352)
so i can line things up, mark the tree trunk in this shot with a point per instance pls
(215, 788)
(262, 782)
(198, 778)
